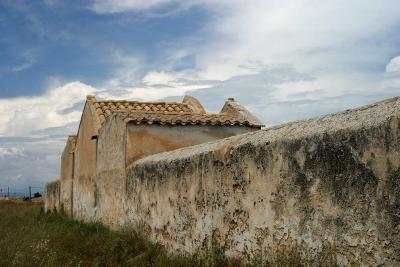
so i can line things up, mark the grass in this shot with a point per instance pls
(28, 237)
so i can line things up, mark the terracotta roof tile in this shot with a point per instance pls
(162, 113)
(184, 118)
(104, 108)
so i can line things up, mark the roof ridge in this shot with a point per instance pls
(139, 102)
(169, 118)
(170, 113)
(154, 112)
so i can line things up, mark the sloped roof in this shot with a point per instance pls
(171, 113)
(105, 108)
(185, 118)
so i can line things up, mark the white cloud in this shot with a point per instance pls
(130, 81)
(28, 58)
(285, 60)
(332, 41)
(394, 65)
(127, 69)
(22, 115)
(33, 131)
(153, 93)
(162, 84)
(23, 66)
(114, 6)
(309, 35)
(11, 151)
(34, 161)
(155, 78)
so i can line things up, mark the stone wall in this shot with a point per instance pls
(332, 181)
(327, 182)
(52, 197)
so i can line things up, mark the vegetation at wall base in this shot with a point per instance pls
(28, 237)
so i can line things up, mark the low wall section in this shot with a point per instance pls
(331, 181)
(52, 197)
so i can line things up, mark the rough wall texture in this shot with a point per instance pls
(84, 190)
(67, 172)
(328, 181)
(144, 140)
(119, 142)
(110, 177)
(331, 181)
(52, 197)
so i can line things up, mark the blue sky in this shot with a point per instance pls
(284, 60)
(42, 39)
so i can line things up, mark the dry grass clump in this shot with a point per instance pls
(28, 237)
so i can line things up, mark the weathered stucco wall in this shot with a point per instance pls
(84, 190)
(52, 197)
(111, 177)
(118, 143)
(144, 140)
(66, 179)
(332, 181)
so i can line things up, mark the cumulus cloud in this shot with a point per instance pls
(33, 131)
(130, 81)
(245, 36)
(306, 34)
(284, 60)
(22, 115)
(394, 65)
(156, 78)
(29, 161)
(284, 94)
(152, 90)
(273, 32)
